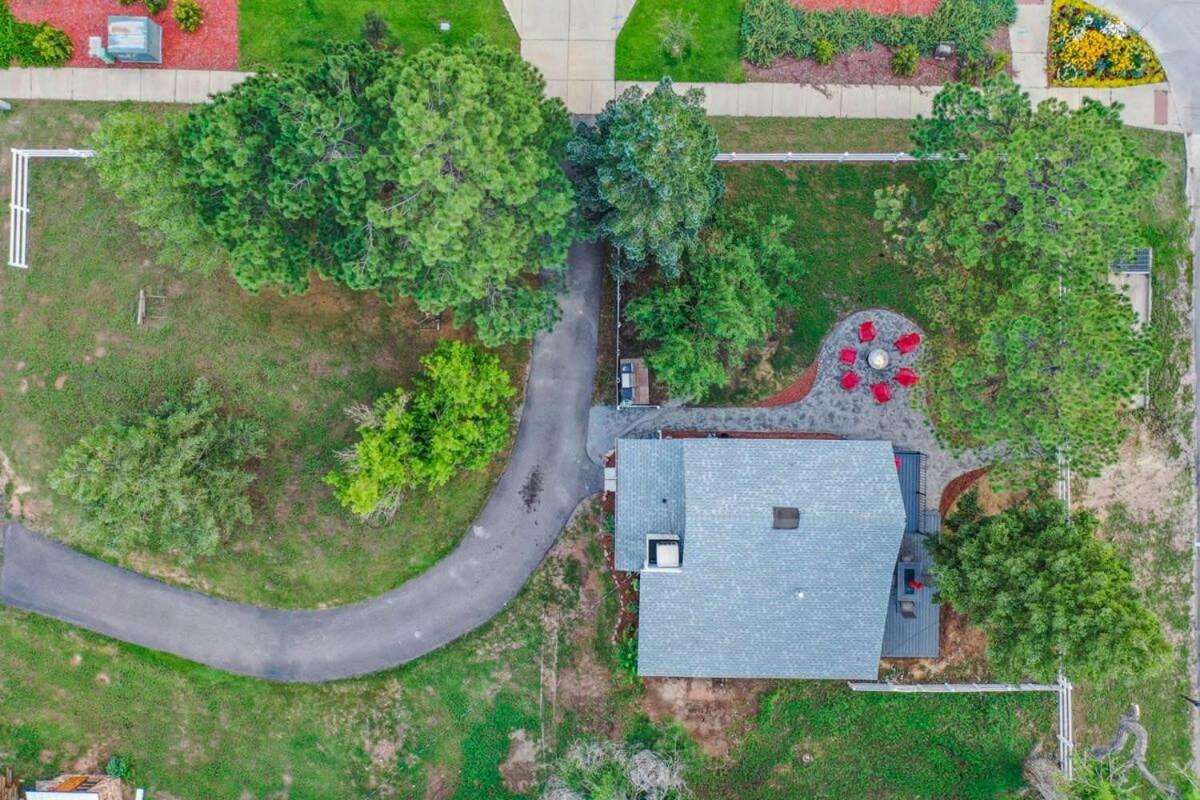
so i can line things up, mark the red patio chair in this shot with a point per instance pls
(908, 342)
(882, 392)
(851, 381)
(907, 378)
(849, 355)
(867, 332)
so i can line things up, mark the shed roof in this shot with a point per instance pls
(751, 600)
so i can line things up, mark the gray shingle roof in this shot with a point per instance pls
(735, 608)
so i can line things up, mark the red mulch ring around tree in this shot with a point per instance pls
(909, 8)
(213, 46)
(794, 393)
(955, 489)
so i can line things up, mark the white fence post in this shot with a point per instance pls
(18, 204)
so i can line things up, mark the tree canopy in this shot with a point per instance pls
(646, 173)
(171, 480)
(1046, 591)
(722, 305)
(138, 159)
(1046, 190)
(1034, 351)
(435, 176)
(455, 418)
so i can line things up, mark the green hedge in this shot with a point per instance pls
(17, 42)
(773, 28)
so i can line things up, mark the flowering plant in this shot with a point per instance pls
(1089, 47)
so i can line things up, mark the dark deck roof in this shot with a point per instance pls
(911, 468)
(916, 637)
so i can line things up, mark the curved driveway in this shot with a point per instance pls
(548, 474)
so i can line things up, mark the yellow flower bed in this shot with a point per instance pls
(1090, 47)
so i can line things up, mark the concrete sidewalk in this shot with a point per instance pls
(880, 101)
(100, 84)
(574, 44)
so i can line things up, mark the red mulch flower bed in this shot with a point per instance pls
(794, 393)
(909, 8)
(213, 46)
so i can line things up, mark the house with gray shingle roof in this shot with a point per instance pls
(766, 557)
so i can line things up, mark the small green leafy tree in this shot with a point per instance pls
(455, 418)
(1047, 592)
(646, 174)
(171, 480)
(138, 159)
(611, 771)
(676, 28)
(437, 177)
(723, 305)
(119, 767)
(189, 14)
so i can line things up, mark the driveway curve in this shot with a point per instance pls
(547, 475)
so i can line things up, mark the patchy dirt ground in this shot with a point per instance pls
(520, 768)
(582, 685)
(1146, 480)
(712, 711)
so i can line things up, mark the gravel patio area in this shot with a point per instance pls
(828, 408)
(213, 46)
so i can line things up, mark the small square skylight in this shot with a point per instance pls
(787, 518)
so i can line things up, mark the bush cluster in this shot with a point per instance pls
(189, 14)
(905, 60)
(773, 28)
(31, 44)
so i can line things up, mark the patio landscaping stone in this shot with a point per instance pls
(828, 408)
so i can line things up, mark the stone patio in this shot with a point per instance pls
(827, 409)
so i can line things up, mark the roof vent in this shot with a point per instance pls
(787, 518)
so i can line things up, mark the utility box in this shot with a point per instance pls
(134, 40)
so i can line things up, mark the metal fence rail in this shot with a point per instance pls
(18, 204)
(826, 158)
(952, 688)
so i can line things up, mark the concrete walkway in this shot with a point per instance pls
(141, 85)
(573, 43)
(547, 476)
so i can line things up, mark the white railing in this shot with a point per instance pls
(18, 205)
(825, 158)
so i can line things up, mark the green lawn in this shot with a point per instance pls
(714, 56)
(882, 746)
(811, 134)
(277, 32)
(294, 363)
